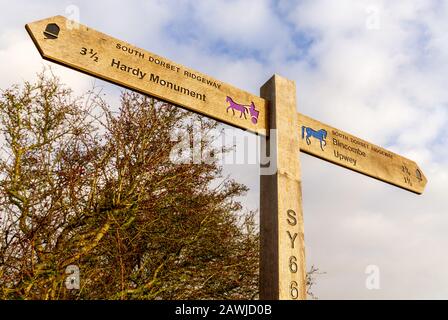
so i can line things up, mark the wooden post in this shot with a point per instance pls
(282, 248)
(282, 252)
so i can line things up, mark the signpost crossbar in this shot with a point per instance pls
(274, 115)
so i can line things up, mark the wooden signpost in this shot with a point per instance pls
(343, 149)
(274, 115)
(102, 56)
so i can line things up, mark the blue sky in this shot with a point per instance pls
(376, 69)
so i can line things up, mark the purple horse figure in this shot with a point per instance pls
(238, 107)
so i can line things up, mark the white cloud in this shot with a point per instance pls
(384, 82)
(384, 85)
(23, 62)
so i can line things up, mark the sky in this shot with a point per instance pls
(375, 69)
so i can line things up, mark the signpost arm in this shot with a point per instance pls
(345, 150)
(282, 248)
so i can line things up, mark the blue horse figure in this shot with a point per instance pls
(320, 135)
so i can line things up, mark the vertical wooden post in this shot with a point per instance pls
(282, 248)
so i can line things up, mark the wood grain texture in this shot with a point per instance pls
(350, 152)
(97, 54)
(282, 247)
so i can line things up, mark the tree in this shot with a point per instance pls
(83, 186)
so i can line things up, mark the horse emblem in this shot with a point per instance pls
(320, 135)
(243, 109)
